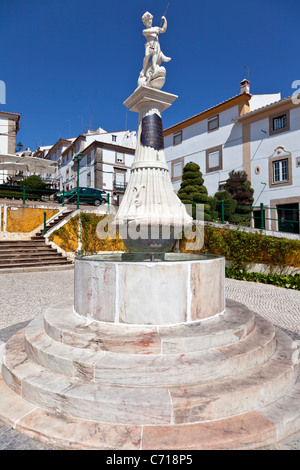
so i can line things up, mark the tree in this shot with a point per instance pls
(192, 189)
(239, 187)
(33, 182)
(229, 205)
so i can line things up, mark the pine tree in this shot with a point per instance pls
(192, 189)
(239, 187)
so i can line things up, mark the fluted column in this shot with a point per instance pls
(150, 204)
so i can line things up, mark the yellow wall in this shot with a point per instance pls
(26, 219)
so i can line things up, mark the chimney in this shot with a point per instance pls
(245, 86)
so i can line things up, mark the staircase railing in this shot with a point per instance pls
(45, 220)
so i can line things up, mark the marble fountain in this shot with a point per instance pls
(151, 355)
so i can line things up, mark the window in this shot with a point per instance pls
(67, 175)
(88, 159)
(280, 171)
(214, 159)
(119, 157)
(213, 123)
(119, 183)
(279, 123)
(88, 180)
(114, 138)
(280, 168)
(177, 170)
(177, 138)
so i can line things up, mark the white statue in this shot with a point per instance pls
(152, 73)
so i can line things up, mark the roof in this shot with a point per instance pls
(68, 142)
(109, 146)
(16, 115)
(242, 98)
(265, 108)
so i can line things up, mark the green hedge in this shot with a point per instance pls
(18, 194)
(243, 248)
(288, 282)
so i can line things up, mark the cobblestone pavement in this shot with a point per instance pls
(23, 296)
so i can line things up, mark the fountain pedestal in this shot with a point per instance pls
(181, 289)
(150, 357)
(151, 217)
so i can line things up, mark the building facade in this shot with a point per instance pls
(271, 151)
(9, 127)
(258, 134)
(105, 163)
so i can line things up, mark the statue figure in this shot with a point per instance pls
(152, 73)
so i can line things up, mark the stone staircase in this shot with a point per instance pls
(34, 252)
(228, 382)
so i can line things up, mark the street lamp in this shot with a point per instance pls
(20, 146)
(77, 159)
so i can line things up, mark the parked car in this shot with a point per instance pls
(86, 195)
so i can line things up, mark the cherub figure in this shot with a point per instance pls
(152, 48)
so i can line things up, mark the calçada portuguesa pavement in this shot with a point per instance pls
(23, 296)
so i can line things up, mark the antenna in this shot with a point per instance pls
(67, 120)
(249, 71)
(81, 123)
(91, 118)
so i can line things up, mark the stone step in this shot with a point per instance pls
(53, 257)
(62, 325)
(132, 405)
(235, 395)
(57, 262)
(252, 430)
(159, 370)
(28, 255)
(19, 244)
(27, 251)
(87, 400)
(55, 222)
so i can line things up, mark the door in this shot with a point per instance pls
(288, 218)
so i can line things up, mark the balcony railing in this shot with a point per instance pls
(119, 187)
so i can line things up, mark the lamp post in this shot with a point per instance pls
(77, 159)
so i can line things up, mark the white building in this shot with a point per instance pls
(259, 134)
(9, 126)
(105, 164)
(271, 153)
(53, 153)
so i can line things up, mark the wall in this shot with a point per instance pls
(23, 219)
(263, 147)
(196, 140)
(3, 145)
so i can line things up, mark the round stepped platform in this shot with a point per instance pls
(227, 382)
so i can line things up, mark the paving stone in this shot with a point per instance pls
(35, 291)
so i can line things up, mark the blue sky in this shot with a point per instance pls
(70, 64)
